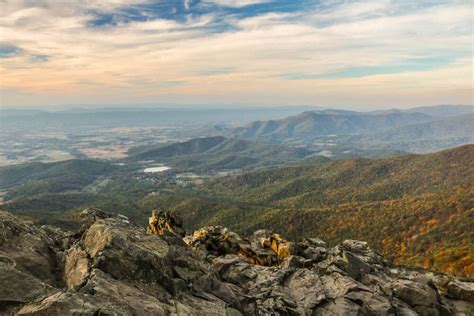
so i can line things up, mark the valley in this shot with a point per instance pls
(414, 209)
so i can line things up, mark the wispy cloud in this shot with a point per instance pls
(216, 71)
(239, 3)
(329, 52)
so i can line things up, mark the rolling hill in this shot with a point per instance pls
(38, 171)
(218, 153)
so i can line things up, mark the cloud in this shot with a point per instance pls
(216, 71)
(239, 3)
(39, 58)
(205, 52)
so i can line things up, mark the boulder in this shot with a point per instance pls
(414, 293)
(214, 241)
(28, 249)
(127, 252)
(161, 222)
(459, 290)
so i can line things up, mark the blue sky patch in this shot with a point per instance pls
(410, 65)
(7, 50)
(182, 10)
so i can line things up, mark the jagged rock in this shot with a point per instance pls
(262, 248)
(282, 248)
(339, 306)
(293, 262)
(64, 303)
(414, 293)
(112, 266)
(76, 270)
(420, 297)
(306, 289)
(27, 248)
(125, 296)
(30, 263)
(89, 216)
(17, 288)
(214, 240)
(459, 290)
(161, 222)
(126, 252)
(313, 249)
(371, 303)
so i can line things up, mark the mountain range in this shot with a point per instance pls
(327, 122)
(421, 129)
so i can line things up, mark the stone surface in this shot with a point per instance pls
(76, 270)
(111, 266)
(161, 222)
(459, 290)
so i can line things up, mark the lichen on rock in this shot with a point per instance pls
(161, 222)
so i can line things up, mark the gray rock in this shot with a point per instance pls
(27, 248)
(459, 290)
(339, 306)
(66, 303)
(306, 289)
(414, 293)
(111, 266)
(294, 262)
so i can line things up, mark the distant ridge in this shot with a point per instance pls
(318, 123)
(417, 130)
(218, 152)
(422, 137)
(436, 110)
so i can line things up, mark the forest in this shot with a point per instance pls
(416, 210)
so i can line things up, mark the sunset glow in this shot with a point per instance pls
(235, 52)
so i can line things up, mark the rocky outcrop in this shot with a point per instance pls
(162, 222)
(112, 266)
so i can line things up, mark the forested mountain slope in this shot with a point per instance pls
(420, 205)
(217, 153)
(415, 209)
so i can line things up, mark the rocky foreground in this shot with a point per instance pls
(112, 266)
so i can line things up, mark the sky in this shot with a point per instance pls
(333, 53)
